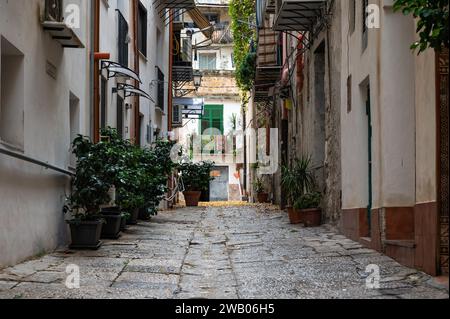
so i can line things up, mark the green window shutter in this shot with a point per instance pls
(213, 118)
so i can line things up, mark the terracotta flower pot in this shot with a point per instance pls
(295, 215)
(312, 217)
(192, 198)
(85, 234)
(263, 197)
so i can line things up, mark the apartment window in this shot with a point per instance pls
(352, 15)
(123, 40)
(74, 111)
(207, 61)
(212, 17)
(11, 95)
(161, 79)
(120, 116)
(142, 29)
(103, 105)
(349, 94)
(365, 4)
(212, 121)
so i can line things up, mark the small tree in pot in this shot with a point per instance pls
(297, 181)
(261, 194)
(89, 192)
(309, 204)
(196, 178)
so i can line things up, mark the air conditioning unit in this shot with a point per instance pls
(54, 10)
(177, 116)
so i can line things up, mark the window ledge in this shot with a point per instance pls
(11, 147)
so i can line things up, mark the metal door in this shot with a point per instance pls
(219, 186)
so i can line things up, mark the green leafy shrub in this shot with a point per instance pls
(196, 176)
(308, 201)
(299, 179)
(258, 185)
(432, 24)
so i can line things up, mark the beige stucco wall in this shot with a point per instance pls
(425, 94)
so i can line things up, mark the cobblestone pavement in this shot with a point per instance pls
(219, 252)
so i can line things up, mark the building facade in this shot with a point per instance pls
(220, 99)
(372, 115)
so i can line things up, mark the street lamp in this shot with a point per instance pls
(197, 80)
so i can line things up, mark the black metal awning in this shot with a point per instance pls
(115, 69)
(298, 15)
(131, 90)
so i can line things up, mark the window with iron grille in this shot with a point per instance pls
(120, 116)
(142, 29)
(365, 4)
(123, 40)
(160, 103)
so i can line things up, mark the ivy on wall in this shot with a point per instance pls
(432, 24)
(244, 34)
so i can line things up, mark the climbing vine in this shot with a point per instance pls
(244, 34)
(432, 24)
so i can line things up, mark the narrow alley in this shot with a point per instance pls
(232, 252)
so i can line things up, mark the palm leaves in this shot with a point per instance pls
(299, 179)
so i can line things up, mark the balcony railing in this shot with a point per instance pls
(222, 34)
(297, 15)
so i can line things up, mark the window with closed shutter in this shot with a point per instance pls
(123, 40)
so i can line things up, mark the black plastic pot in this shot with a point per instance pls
(133, 220)
(111, 228)
(123, 223)
(144, 215)
(85, 234)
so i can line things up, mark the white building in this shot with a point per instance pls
(44, 103)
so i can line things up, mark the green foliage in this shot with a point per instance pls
(89, 187)
(243, 34)
(299, 179)
(258, 185)
(432, 24)
(308, 201)
(246, 72)
(139, 175)
(196, 176)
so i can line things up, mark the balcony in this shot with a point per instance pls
(53, 23)
(222, 34)
(268, 67)
(297, 15)
(182, 60)
(174, 4)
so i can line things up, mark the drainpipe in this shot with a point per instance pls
(136, 126)
(96, 73)
(170, 93)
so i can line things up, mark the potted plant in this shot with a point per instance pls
(196, 178)
(89, 192)
(297, 181)
(258, 187)
(308, 204)
(113, 221)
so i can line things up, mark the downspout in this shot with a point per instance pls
(96, 73)
(136, 126)
(170, 93)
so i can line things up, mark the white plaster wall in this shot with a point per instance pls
(397, 110)
(31, 217)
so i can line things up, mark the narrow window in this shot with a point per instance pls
(161, 83)
(142, 29)
(123, 40)
(120, 116)
(365, 4)
(74, 111)
(349, 94)
(351, 15)
(103, 106)
(11, 95)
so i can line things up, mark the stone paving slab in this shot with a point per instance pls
(220, 252)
